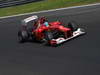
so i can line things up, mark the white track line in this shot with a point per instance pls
(51, 10)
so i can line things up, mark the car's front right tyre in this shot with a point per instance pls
(73, 26)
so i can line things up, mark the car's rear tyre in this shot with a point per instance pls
(73, 26)
(31, 34)
(23, 36)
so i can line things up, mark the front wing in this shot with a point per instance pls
(60, 40)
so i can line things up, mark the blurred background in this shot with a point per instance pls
(7, 3)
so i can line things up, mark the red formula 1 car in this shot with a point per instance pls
(52, 33)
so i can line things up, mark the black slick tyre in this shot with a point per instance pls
(73, 26)
(23, 36)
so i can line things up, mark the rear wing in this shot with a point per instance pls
(32, 18)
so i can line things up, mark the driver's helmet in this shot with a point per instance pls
(42, 20)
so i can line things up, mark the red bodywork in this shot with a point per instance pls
(52, 26)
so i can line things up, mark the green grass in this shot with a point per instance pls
(43, 5)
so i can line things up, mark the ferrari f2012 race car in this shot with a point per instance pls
(52, 33)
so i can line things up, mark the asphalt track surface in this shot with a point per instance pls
(80, 56)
